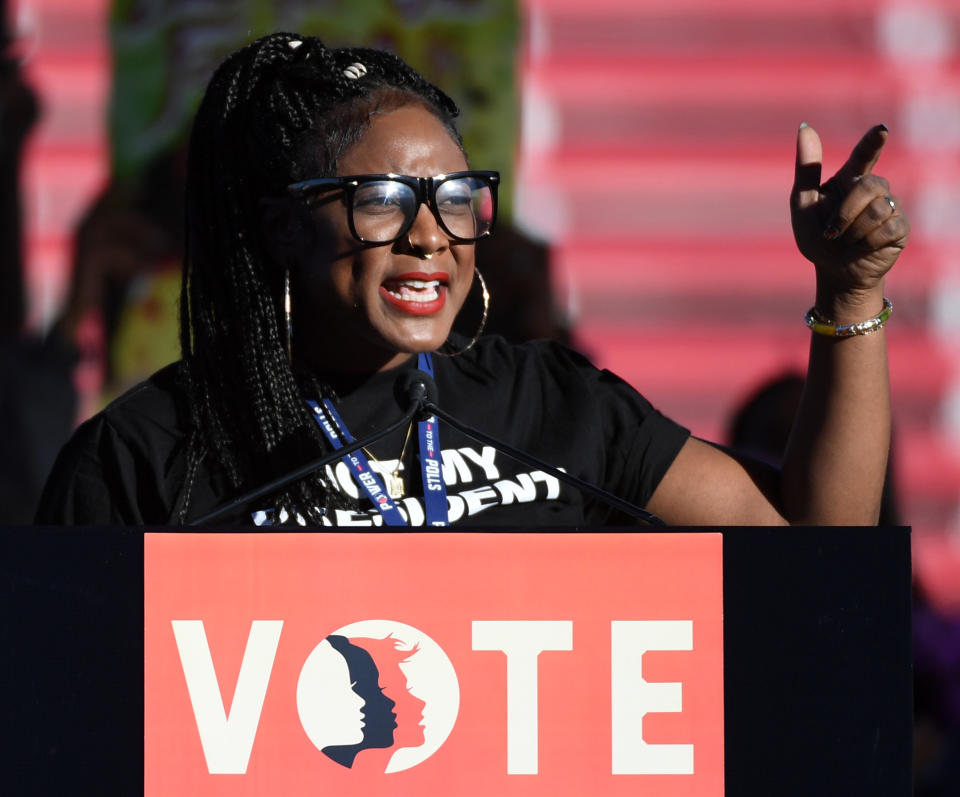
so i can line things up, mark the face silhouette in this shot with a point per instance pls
(409, 711)
(380, 721)
(409, 708)
(329, 708)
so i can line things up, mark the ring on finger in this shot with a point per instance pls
(891, 203)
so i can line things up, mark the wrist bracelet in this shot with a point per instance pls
(824, 327)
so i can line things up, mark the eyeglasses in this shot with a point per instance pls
(381, 208)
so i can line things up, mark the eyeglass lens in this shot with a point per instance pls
(383, 209)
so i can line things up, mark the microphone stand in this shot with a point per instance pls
(421, 407)
(306, 470)
(609, 498)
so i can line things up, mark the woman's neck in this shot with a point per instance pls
(359, 365)
(345, 380)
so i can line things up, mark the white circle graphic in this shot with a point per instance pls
(430, 678)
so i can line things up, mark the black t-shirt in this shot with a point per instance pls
(127, 465)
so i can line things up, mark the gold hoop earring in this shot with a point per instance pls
(288, 315)
(483, 318)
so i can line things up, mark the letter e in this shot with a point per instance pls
(632, 697)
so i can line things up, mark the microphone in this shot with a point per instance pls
(417, 388)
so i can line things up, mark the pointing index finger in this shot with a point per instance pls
(865, 154)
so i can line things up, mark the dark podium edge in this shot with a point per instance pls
(817, 660)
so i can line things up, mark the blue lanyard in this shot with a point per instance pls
(363, 475)
(434, 489)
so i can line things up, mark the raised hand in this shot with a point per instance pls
(850, 227)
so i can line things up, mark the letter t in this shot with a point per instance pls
(522, 641)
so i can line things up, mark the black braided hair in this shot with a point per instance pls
(275, 112)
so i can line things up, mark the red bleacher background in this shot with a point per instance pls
(656, 155)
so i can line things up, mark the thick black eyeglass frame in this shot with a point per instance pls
(424, 190)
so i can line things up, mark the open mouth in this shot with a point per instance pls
(417, 294)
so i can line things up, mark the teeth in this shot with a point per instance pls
(416, 290)
(406, 296)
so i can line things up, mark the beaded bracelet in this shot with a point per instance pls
(824, 327)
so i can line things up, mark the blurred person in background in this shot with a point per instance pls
(18, 114)
(31, 387)
(117, 326)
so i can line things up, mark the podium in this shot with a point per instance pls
(689, 661)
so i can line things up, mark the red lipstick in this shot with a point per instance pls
(416, 292)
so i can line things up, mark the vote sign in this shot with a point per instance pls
(435, 662)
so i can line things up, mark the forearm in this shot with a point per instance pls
(853, 231)
(835, 463)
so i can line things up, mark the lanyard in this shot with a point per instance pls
(434, 490)
(335, 429)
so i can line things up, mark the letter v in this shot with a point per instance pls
(227, 740)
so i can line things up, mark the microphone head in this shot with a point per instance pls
(416, 388)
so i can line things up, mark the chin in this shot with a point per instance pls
(420, 339)
(421, 346)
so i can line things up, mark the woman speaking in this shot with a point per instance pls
(332, 223)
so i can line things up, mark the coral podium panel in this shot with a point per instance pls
(433, 663)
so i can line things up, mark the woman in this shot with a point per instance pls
(305, 296)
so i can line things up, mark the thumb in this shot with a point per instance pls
(806, 179)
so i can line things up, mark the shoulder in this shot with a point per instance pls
(124, 460)
(552, 400)
(152, 407)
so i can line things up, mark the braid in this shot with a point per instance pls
(274, 112)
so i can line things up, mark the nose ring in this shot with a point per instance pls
(425, 255)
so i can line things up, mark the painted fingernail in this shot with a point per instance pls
(831, 232)
(803, 125)
(884, 128)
